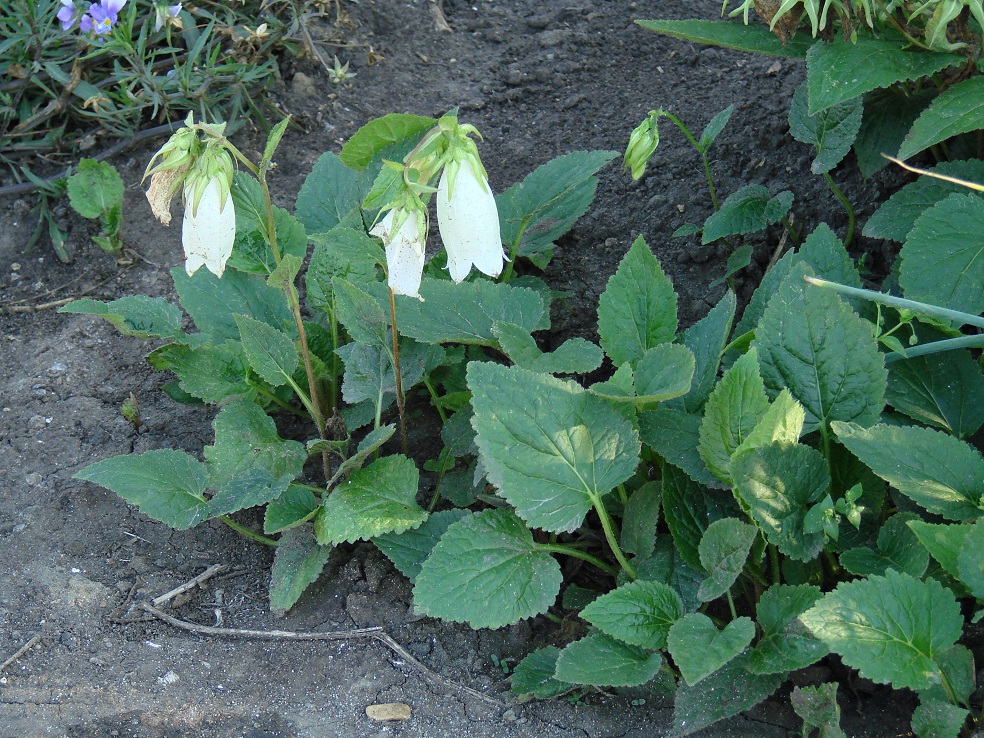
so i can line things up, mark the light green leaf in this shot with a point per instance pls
(970, 561)
(733, 410)
(756, 39)
(810, 341)
(782, 422)
(699, 649)
(956, 110)
(547, 203)
(750, 209)
(895, 218)
(295, 506)
(826, 255)
(639, 613)
(297, 563)
(817, 706)
(270, 352)
(674, 435)
(380, 498)
(778, 484)
(136, 315)
(487, 571)
(938, 719)
(664, 372)
(639, 520)
(760, 298)
(95, 188)
(942, 390)
(379, 133)
(638, 309)
(466, 312)
(213, 303)
(408, 550)
(723, 550)
(534, 675)
(938, 472)
(891, 628)
(831, 131)
(833, 69)
(574, 356)
(344, 253)
(367, 447)
(898, 548)
(331, 194)
(166, 485)
(958, 667)
(707, 339)
(602, 661)
(943, 541)
(713, 129)
(552, 449)
(786, 645)
(727, 692)
(943, 256)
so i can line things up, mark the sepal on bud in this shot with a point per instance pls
(642, 143)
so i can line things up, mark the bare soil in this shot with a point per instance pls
(539, 78)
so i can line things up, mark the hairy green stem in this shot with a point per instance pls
(900, 303)
(703, 155)
(774, 563)
(789, 230)
(436, 400)
(400, 406)
(281, 404)
(935, 347)
(242, 530)
(507, 275)
(847, 207)
(731, 605)
(612, 536)
(578, 554)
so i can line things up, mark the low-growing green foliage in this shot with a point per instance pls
(750, 495)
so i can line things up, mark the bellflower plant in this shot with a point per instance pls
(403, 231)
(197, 161)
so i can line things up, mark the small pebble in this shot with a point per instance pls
(389, 711)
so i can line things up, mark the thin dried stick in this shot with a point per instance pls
(374, 633)
(191, 583)
(21, 651)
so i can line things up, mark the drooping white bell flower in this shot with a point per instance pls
(403, 236)
(208, 231)
(468, 220)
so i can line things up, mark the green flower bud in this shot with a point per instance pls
(642, 144)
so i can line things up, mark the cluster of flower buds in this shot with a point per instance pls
(196, 162)
(466, 211)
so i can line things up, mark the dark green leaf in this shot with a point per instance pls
(956, 110)
(574, 356)
(380, 498)
(942, 390)
(638, 309)
(895, 218)
(810, 341)
(938, 472)
(487, 571)
(713, 129)
(685, 510)
(674, 434)
(707, 339)
(95, 188)
(944, 542)
(786, 645)
(970, 560)
(552, 449)
(756, 39)
(252, 253)
(331, 193)
(270, 352)
(699, 649)
(891, 629)
(639, 613)
(817, 706)
(534, 675)
(888, 116)
(297, 563)
(943, 256)
(826, 255)
(408, 550)
(938, 719)
(603, 661)
(723, 550)
(668, 567)
(778, 484)
(295, 506)
(639, 520)
(361, 314)
(549, 200)
(211, 373)
(898, 548)
(166, 485)
(345, 253)
(748, 210)
(832, 68)
(831, 131)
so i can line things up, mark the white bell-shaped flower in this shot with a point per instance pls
(209, 228)
(469, 221)
(403, 238)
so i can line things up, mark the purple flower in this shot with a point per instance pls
(102, 16)
(68, 14)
